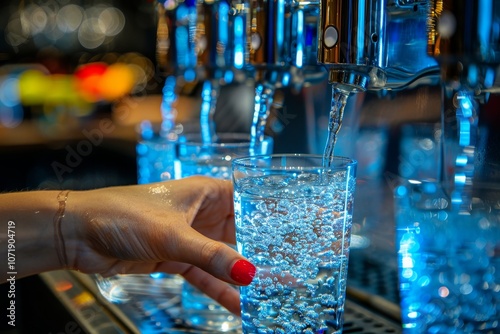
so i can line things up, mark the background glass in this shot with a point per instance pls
(420, 151)
(449, 263)
(293, 221)
(214, 159)
(155, 154)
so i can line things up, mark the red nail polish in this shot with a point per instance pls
(243, 272)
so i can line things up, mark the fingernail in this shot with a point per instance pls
(243, 272)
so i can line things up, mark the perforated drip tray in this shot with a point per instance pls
(373, 282)
(374, 273)
(150, 314)
(359, 319)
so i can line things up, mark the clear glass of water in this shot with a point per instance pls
(194, 157)
(293, 221)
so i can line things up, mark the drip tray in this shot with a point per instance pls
(154, 314)
(358, 319)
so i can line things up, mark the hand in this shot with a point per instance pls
(163, 227)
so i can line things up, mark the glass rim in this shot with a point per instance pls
(241, 139)
(242, 162)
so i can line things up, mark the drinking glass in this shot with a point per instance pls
(155, 154)
(293, 221)
(155, 157)
(196, 157)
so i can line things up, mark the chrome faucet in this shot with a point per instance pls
(375, 44)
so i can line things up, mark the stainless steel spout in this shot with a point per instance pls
(351, 37)
(375, 44)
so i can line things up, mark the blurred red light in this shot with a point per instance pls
(88, 70)
(87, 82)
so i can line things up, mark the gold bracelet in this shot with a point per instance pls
(62, 197)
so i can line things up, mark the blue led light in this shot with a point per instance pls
(239, 42)
(146, 130)
(429, 187)
(489, 77)
(286, 79)
(456, 198)
(280, 23)
(223, 22)
(238, 58)
(465, 132)
(401, 191)
(466, 106)
(473, 74)
(181, 41)
(460, 179)
(228, 76)
(189, 75)
(141, 149)
(461, 161)
(299, 62)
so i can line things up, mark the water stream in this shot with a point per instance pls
(338, 104)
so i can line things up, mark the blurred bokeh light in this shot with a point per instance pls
(66, 56)
(64, 24)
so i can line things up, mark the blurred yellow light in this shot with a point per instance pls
(83, 299)
(33, 87)
(60, 89)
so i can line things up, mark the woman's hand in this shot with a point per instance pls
(162, 227)
(175, 227)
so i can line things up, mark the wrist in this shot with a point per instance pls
(59, 242)
(72, 230)
(32, 215)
